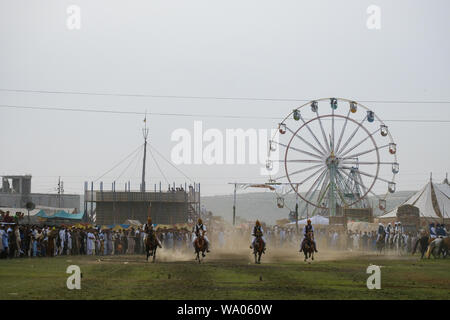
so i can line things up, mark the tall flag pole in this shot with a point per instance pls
(145, 134)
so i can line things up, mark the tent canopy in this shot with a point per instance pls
(433, 201)
(315, 220)
(134, 223)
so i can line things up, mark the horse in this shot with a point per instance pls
(258, 247)
(390, 241)
(381, 243)
(308, 247)
(200, 246)
(399, 243)
(445, 247)
(423, 241)
(440, 244)
(151, 244)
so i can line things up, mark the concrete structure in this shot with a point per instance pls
(16, 192)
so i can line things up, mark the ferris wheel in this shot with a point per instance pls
(333, 152)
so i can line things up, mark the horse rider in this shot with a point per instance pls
(388, 232)
(196, 232)
(399, 228)
(440, 230)
(308, 228)
(444, 230)
(148, 229)
(257, 228)
(432, 231)
(381, 231)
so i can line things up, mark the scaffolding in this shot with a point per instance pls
(171, 206)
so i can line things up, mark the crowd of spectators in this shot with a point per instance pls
(49, 241)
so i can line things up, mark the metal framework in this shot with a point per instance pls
(178, 205)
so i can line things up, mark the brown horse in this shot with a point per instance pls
(445, 247)
(423, 241)
(258, 248)
(308, 246)
(438, 246)
(381, 243)
(200, 246)
(151, 244)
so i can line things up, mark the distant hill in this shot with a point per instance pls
(262, 205)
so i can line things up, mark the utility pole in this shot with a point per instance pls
(234, 206)
(60, 191)
(145, 134)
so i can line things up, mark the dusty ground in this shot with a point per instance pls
(227, 274)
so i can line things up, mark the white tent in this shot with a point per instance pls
(315, 220)
(433, 201)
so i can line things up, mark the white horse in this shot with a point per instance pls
(433, 247)
(399, 243)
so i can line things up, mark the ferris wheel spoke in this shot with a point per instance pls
(364, 152)
(324, 187)
(363, 186)
(301, 151)
(301, 161)
(323, 132)
(352, 135)
(300, 171)
(325, 191)
(342, 186)
(316, 182)
(315, 185)
(342, 132)
(360, 184)
(314, 136)
(366, 162)
(358, 144)
(312, 175)
(306, 142)
(367, 174)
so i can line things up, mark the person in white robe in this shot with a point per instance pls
(90, 242)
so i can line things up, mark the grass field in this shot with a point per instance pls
(226, 276)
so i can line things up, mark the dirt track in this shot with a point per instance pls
(245, 256)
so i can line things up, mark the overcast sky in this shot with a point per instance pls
(252, 48)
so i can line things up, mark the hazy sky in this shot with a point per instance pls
(251, 48)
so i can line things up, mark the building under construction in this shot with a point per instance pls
(176, 205)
